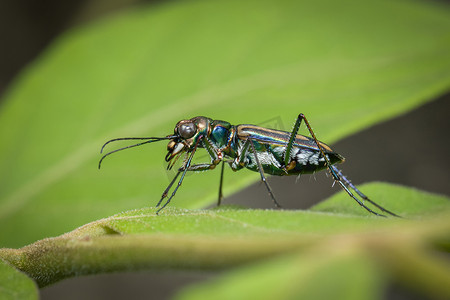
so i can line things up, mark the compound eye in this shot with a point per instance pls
(187, 130)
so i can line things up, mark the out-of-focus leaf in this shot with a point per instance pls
(346, 65)
(316, 275)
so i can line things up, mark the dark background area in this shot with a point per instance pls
(411, 150)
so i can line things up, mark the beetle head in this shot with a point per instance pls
(186, 135)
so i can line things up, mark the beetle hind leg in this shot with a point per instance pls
(337, 175)
(361, 194)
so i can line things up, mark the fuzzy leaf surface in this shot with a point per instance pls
(325, 240)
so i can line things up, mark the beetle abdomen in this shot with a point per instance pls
(302, 160)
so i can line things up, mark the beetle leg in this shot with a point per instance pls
(206, 167)
(249, 144)
(182, 169)
(221, 184)
(363, 196)
(334, 170)
(193, 168)
(213, 151)
(287, 153)
(166, 191)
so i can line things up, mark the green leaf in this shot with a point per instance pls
(346, 65)
(305, 276)
(408, 201)
(223, 238)
(14, 284)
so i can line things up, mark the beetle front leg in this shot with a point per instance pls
(197, 167)
(206, 167)
(166, 191)
(181, 171)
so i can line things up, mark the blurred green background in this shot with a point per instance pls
(414, 147)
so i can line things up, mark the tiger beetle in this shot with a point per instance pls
(259, 149)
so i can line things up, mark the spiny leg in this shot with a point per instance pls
(363, 196)
(166, 191)
(184, 168)
(335, 175)
(221, 184)
(261, 171)
(287, 154)
(192, 168)
(356, 199)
